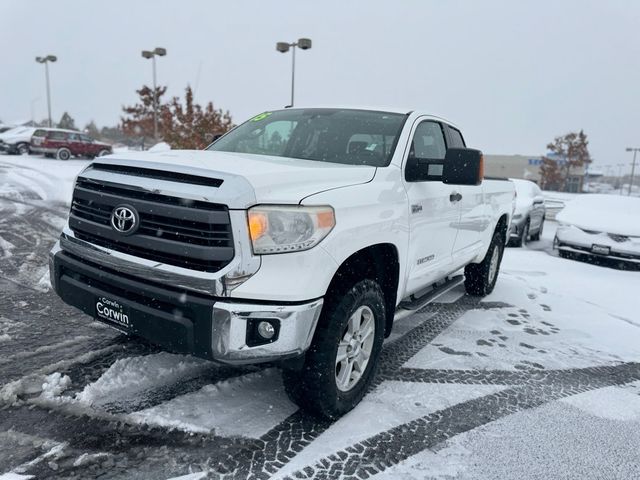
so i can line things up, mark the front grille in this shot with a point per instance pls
(175, 231)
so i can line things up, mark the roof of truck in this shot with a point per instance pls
(375, 108)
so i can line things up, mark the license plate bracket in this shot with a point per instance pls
(113, 312)
(600, 249)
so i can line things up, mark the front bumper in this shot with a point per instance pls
(574, 240)
(185, 321)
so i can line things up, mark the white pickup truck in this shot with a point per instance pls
(296, 238)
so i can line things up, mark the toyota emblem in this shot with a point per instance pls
(124, 219)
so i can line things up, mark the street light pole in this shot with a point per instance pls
(152, 54)
(633, 166)
(283, 47)
(46, 60)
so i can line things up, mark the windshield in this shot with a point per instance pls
(353, 137)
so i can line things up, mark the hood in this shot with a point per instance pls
(603, 213)
(17, 135)
(102, 144)
(277, 180)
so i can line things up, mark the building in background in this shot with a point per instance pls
(527, 167)
(513, 166)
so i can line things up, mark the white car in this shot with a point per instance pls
(16, 140)
(529, 215)
(600, 226)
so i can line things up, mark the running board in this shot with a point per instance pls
(413, 302)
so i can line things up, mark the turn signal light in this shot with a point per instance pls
(257, 224)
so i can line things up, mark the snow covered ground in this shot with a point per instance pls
(539, 380)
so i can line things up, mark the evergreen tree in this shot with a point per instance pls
(92, 129)
(67, 122)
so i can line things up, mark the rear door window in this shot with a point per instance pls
(456, 137)
(60, 136)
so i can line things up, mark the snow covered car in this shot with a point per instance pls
(16, 141)
(528, 219)
(600, 226)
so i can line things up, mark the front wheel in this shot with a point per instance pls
(343, 357)
(480, 278)
(102, 153)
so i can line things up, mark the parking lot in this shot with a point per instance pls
(544, 368)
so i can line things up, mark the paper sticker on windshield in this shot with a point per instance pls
(262, 116)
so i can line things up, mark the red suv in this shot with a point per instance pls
(64, 143)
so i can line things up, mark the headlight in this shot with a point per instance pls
(281, 229)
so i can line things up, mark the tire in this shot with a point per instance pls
(524, 234)
(102, 153)
(22, 149)
(538, 234)
(480, 278)
(322, 386)
(63, 154)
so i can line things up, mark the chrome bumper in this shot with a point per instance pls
(229, 332)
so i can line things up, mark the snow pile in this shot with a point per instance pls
(247, 406)
(48, 387)
(86, 458)
(54, 385)
(160, 147)
(132, 375)
(603, 213)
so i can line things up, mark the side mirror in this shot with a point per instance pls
(423, 169)
(463, 166)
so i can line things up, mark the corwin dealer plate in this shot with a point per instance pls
(112, 312)
(601, 249)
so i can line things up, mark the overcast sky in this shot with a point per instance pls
(511, 74)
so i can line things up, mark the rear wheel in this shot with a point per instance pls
(63, 154)
(524, 234)
(343, 357)
(538, 234)
(480, 278)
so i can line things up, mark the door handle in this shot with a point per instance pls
(455, 197)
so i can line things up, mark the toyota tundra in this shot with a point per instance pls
(296, 238)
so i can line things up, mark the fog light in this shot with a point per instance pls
(266, 330)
